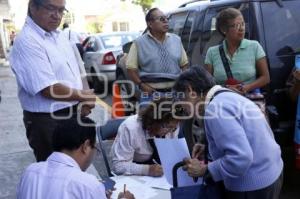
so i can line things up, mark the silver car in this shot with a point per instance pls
(100, 54)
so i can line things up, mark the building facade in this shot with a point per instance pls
(5, 20)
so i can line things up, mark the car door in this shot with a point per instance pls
(90, 54)
(282, 42)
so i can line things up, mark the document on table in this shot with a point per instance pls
(157, 182)
(134, 185)
(172, 151)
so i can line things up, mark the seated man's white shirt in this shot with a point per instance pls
(58, 177)
(131, 145)
(40, 59)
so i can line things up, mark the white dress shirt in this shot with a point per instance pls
(131, 145)
(40, 59)
(60, 177)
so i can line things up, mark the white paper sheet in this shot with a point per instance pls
(172, 151)
(157, 182)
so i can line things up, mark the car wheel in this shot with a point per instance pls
(128, 101)
(97, 85)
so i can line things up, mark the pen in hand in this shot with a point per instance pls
(154, 161)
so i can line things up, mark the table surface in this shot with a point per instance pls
(138, 186)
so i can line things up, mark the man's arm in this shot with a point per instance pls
(184, 62)
(63, 93)
(133, 75)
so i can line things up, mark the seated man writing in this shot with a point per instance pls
(62, 174)
(133, 151)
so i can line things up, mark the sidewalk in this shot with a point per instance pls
(15, 153)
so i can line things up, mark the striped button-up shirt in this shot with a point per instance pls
(40, 59)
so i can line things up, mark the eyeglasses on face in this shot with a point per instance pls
(51, 9)
(161, 18)
(237, 26)
(167, 128)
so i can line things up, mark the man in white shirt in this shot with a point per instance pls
(48, 76)
(62, 175)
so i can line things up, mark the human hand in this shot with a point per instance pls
(296, 75)
(198, 151)
(126, 195)
(88, 95)
(155, 170)
(87, 102)
(146, 88)
(239, 88)
(194, 167)
(85, 110)
(108, 193)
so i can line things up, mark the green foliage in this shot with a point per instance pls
(94, 27)
(146, 4)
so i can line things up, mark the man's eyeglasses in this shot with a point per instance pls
(53, 9)
(165, 127)
(237, 26)
(161, 18)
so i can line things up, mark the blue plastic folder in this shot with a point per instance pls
(297, 123)
(201, 191)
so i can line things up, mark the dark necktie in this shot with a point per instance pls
(155, 155)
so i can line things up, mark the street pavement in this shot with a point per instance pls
(15, 153)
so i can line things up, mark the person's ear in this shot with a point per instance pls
(149, 24)
(223, 30)
(85, 146)
(191, 91)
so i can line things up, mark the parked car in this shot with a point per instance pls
(99, 56)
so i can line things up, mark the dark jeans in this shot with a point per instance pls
(270, 192)
(39, 130)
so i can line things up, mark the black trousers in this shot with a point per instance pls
(270, 192)
(40, 127)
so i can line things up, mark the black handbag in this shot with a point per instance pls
(202, 191)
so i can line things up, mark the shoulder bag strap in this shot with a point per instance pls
(225, 62)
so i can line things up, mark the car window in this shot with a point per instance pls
(176, 22)
(113, 41)
(186, 32)
(282, 35)
(90, 45)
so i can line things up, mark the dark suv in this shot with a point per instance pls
(274, 23)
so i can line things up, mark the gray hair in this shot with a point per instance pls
(197, 77)
(224, 17)
(36, 3)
